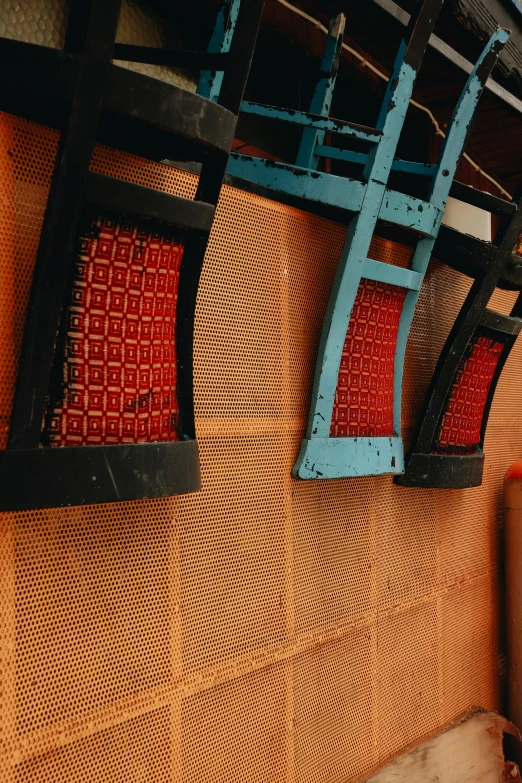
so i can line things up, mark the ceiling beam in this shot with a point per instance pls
(450, 54)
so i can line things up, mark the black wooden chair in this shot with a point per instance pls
(447, 449)
(87, 432)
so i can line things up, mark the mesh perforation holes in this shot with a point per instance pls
(263, 630)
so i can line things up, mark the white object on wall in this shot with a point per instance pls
(467, 219)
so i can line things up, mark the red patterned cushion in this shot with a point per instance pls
(363, 403)
(462, 420)
(115, 363)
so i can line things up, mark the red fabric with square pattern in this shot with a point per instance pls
(462, 420)
(363, 404)
(115, 365)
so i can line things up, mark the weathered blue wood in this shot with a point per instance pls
(322, 98)
(412, 167)
(410, 212)
(459, 128)
(370, 199)
(304, 183)
(356, 247)
(377, 202)
(392, 275)
(209, 84)
(341, 192)
(308, 120)
(330, 458)
(349, 156)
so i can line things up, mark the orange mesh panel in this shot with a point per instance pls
(363, 402)
(118, 361)
(469, 624)
(140, 746)
(389, 252)
(332, 708)
(27, 160)
(407, 676)
(223, 738)
(462, 420)
(263, 629)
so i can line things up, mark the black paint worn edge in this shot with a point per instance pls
(443, 471)
(418, 32)
(473, 257)
(482, 200)
(170, 108)
(62, 213)
(152, 55)
(30, 69)
(54, 477)
(498, 325)
(161, 112)
(122, 196)
(467, 325)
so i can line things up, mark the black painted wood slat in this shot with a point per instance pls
(123, 196)
(212, 61)
(83, 94)
(479, 198)
(59, 230)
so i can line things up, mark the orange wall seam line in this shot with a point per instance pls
(264, 630)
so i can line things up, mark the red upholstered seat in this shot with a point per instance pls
(462, 420)
(114, 379)
(364, 395)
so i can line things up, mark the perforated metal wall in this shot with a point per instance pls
(263, 630)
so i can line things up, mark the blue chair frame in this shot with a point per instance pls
(322, 456)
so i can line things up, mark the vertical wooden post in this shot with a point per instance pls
(322, 100)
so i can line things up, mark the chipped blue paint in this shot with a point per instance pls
(296, 181)
(410, 212)
(356, 249)
(322, 99)
(451, 152)
(370, 199)
(392, 275)
(333, 190)
(331, 458)
(312, 121)
(209, 84)
(412, 167)
(349, 156)
(379, 202)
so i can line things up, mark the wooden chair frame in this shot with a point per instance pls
(490, 265)
(370, 199)
(89, 99)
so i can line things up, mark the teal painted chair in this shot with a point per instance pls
(354, 426)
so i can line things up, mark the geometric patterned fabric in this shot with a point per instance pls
(363, 404)
(115, 380)
(462, 420)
